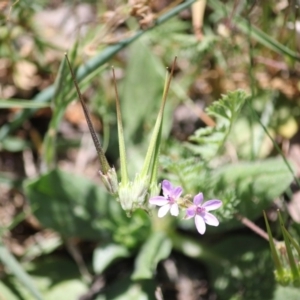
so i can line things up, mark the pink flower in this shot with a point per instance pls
(168, 200)
(201, 212)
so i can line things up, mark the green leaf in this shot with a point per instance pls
(292, 259)
(156, 248)
(256, 184)
(287, 292)
(44, 245)
(63, 86)
(55, 277)
(186, 172)
(121, 138)
(125, 289)
(21, 103)
(244, 187)
(106, 254)
(17, 270)
(14, 144)
(72, 205)
(244, 263)
(236, 264)
(264, 39)
(275, 256)
(210, 140)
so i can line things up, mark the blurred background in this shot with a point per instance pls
(62, 235)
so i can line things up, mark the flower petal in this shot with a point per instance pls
(198, 199)
(167, 188)
(158, 200)
(190, 212)
(212, 204)
(176, 192)
(200, 224)
(174, 210)
(210, 219)
(163, 210)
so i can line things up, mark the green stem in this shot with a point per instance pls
(124, 173)
(154, 146)
(104, 166)
(254, 113)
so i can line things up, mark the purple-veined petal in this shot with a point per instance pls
(176, 192)
(198, 199)
(190, 212)
(212, 204)
(158, 200)
(163, 210)
(210, 219)
(200, 224)
(167, 188)
(174, 210)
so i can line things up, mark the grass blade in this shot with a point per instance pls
(20, 103)
(243, 25)
(13, 265)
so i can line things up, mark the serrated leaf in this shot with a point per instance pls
(185, 172)
(209, 141)
(228, 107)
(156, 248)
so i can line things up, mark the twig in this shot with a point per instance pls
(74, 251)
(254, 227)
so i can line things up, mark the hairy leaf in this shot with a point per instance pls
(72, 205)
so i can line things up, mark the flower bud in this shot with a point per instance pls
(110, 181)
(133, 195)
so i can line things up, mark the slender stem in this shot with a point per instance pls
(104, 166)
(254, 227)
(275, 145)
(74, 251)
(158, 124)
(124, 173)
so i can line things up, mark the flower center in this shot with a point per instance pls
(200, 210)
(171, 200)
